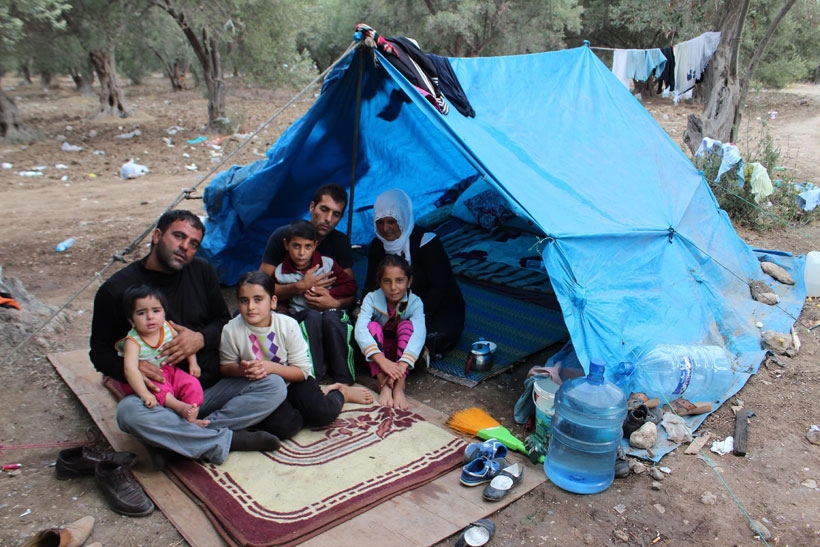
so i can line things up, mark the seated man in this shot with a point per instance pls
(198, 313)
(328, 332)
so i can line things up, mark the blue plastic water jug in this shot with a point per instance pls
(586, 430)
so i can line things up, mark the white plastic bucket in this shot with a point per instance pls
(543, 395)
(812, 273)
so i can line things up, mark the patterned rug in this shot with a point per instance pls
(320, 477)
(519, 329)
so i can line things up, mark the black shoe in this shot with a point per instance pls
(82, 460)
(622, 469)
(124, 494)
(160, 457)
(635, 418)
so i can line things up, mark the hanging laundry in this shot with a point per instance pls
(691, 58)
(730, 156)
(450, 86)
(667, 76)
(760, 181)
(642, 63)
(619, 62)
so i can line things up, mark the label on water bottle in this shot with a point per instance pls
(686, 369)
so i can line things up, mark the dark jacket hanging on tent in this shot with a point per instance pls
(410, 60)
(450, 86)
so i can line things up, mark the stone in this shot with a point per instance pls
(621, 535)
(656, 485)
(659, 508)
(759, 529)
(656, 474)
(813, 436)
(708, 498)
(637, 467)
(777, 272)
(645, 436)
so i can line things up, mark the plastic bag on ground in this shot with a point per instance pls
(131, 170)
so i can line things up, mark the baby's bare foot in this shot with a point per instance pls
(201, 423)
(187, 412)
(399, 400)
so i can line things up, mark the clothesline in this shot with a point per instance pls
(677, 67)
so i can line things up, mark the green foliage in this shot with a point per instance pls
(269, 54)
(779, 209)
(794, 49)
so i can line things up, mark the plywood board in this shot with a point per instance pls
(429, 514)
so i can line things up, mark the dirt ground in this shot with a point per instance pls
(776, 484)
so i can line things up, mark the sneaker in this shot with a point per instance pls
(489, 449)
(481, 470)
(82, 460)
(121, 489)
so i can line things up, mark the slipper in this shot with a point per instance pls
(477, 533)
(506, 480)
(489, 449)
(682, 407)
(636, 399)
(481, 470)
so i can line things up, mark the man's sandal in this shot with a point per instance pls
(637, 399)
(682, 407)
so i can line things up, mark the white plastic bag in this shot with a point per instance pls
(131, 170)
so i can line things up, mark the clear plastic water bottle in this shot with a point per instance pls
(65, 245)
(586, 430)
(669, 371)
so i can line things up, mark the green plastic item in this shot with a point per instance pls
(503, 435)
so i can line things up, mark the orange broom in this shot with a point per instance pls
(478, 423)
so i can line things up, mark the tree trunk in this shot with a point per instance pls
(25, 71)
(12, 128)
(112, 101)
(175, 70)
(725, 91)
(217, 118)
(758, 54)
(206, 48)
(720, 82)
(46, 78)
(82, 82)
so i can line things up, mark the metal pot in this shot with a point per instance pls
(481, 353)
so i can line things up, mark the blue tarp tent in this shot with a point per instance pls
(637, 249)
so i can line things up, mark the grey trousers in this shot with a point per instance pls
(230, 404)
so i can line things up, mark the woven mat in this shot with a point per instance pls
(518, 328)
(321, 477)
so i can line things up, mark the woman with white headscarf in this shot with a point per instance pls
(433, 279)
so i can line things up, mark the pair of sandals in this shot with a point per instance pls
(486, 463)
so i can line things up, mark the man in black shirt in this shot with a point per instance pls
(198, 313)
(326, 210)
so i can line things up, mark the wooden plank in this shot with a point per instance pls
(86, 383)
(741, 432)
(424, 516)
(697, 445)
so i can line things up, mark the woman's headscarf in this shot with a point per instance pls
(395, 204)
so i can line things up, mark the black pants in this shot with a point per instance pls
(305, 405)
(444, 331)
(328, 335)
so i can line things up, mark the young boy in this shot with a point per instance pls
(328, 332)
